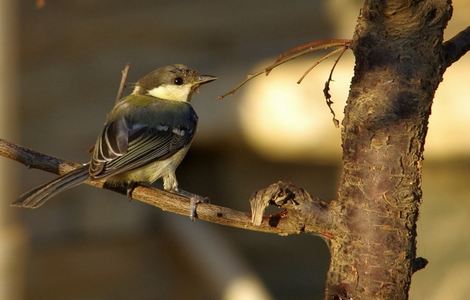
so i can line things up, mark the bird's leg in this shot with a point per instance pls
(171, 184)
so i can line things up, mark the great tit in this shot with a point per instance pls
(145, 137)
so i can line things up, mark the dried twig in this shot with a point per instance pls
(290, 55)
(326, 56)
(307, 48)
(122, 84)
(248, 78)
(168, 201)
(326, 89)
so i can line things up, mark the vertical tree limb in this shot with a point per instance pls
(398, 50)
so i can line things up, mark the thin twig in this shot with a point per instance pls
(307, 48)
(122, 84)
(328, 55)
(248, 78)
(290, 55)
(165, 200)
(326, 89)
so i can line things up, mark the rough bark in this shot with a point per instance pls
(399, 64)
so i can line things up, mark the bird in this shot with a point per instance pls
(145, 137)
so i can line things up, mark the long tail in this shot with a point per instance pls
(39, 195)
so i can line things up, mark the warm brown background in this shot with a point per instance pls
(93, 244)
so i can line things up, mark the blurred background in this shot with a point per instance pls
(60, 69)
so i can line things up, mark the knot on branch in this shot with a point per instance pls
(296, 202)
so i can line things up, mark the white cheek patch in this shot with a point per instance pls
(171, 92)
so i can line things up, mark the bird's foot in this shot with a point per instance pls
(194, 200)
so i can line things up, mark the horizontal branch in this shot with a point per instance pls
(278, 224)
(456, 47)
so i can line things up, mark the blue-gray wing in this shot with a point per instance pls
(131, 141)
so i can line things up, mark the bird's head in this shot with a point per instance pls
(174, 82)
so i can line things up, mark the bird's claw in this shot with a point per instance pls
(194, 200)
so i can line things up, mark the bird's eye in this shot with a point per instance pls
(178, 81)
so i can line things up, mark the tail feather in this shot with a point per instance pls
(39, 195)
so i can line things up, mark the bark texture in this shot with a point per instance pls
(399, 64)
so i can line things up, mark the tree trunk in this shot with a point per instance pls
(399, 64)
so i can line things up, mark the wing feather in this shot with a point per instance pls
(127, 143)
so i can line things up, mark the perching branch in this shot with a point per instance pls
(456, 47)
(282, 224)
